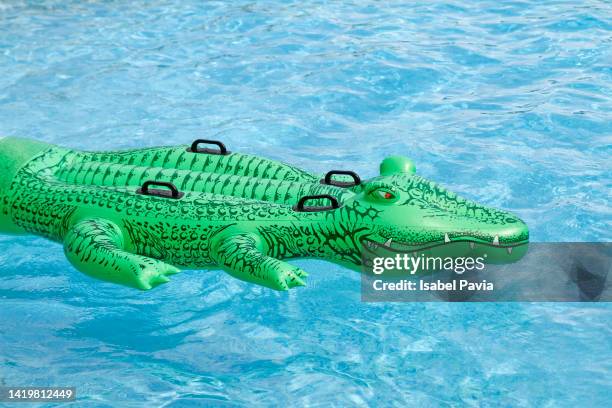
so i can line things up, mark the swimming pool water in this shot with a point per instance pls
(506, 103)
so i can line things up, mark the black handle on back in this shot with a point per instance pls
(194, 147)
(328, 178)
(172, 191)
(300, 205)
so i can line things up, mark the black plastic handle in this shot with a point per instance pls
(172, 191)
(300, 205)
(222, 150)
(328, 179)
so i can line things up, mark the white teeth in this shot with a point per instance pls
(509, 249)
(388, 243)
(472, 245)
(446, 238)
(496, 240)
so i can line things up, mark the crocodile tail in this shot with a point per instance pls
(14, 153)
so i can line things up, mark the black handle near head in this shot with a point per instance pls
(194, 147)
(172, 191)
(301, 208)
(328, 178)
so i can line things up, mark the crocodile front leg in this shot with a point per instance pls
(96, 247)
(240, 255)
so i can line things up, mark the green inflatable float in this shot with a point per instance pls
(136, 217)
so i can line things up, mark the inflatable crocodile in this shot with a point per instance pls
(136, 217)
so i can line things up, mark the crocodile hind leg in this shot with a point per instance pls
(96, 247)
(241, 256)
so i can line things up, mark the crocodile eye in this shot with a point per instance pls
(385, 194)
(382, 195)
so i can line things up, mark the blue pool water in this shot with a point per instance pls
(509, 104)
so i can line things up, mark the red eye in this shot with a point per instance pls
(380, 194)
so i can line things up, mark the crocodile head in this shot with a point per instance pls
(408, 213)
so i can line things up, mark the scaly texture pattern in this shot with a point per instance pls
(235, 211)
